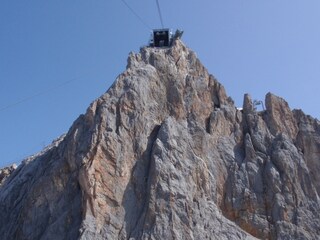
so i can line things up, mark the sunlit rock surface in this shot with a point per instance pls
(165, 154)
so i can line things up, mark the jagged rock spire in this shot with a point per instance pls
(164, 154)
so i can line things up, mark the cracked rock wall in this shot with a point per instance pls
(165, 154)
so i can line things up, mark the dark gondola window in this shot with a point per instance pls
(161, 38)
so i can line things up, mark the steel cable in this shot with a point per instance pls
(160, 15)
(136, 14)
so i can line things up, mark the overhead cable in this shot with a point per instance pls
(137, 15)
(160, 15)
(37, 94)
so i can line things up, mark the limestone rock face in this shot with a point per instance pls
(5, 172)
(165, 154)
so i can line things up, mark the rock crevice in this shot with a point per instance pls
(165, 154)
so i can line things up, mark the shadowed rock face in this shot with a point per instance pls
(164, 154)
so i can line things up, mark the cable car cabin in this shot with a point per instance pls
(161, 38)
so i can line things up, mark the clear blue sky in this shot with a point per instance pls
(250, 46)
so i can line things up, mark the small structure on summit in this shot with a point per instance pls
(256, 103)
(163, 37)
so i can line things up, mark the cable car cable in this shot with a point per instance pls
(160, 15)
(69, 81)
(38, 94)
(134, 13)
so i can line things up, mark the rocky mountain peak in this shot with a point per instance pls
(165, 154)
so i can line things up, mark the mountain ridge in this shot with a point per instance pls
(164, 153)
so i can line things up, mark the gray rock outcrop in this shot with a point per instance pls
(5, 172)
(165, 154)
